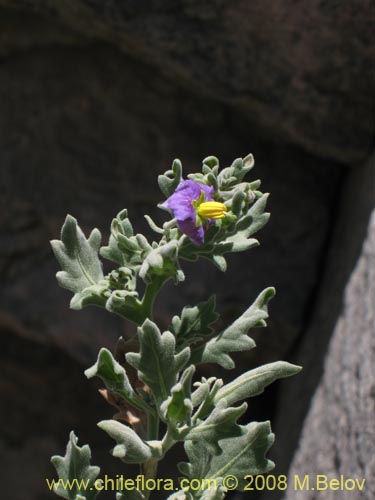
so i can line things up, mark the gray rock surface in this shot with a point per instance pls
(338, 436)
(350, 228)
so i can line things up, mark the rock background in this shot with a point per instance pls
(341, 440)
(97, 98)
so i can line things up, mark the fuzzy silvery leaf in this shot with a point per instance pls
(114, 377)
(234, 174)
(125, 304)
(181, 495)
(234, 338)
(245, 454)
(210, 168)
(217, 492)
(130, 448)
(122, 278)
(111, 373)
(161, 260)
(157, 362)
(78, 257)
(258, 216)
(253, 382)
(95, 295)
(220, 424)
(177, 409)
(130, 495)
(243, 228)
(204, 396)
(125, 248)
(241, 456)
(229, 235)
(74, 469)
(199, 460)
(195, 323)
(121, 225)
(170, 179)
(204, 388)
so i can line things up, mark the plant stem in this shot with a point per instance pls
(150, 294)
(149, 468)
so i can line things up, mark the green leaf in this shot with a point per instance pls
(130, 495)
(130, 447)
(244, 227)
(162, 260)
(220, 424)
(177, 409)
(258, 216)
(153, 225)
(209, 493)
(111, 373)
(171, 179)
(242, 455)
(214, 493)
(200, 459)
(114, 377)
(219, 261)
(205, 395)
(125, 248)
(194, 323)
(180, 495)
(120, 226)
(253, 382)
(233, 233)
(75, 472)
(95, 295)
(205, 388)
(234, 174)
(125, 304)
(78, 257)
(245, 454)
(157, 363)
(235, 338)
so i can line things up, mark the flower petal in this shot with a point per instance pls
(194, 232)
(181, 204)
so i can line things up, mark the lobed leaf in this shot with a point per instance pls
(177, 409)
(195, 323)
(220, 424)
(241, 456)
(157, 363)
(75, 471)
(78, 257)
(235, 338)
(253, 382)
(114, 377)
(170, 179)
(244, 455)
(130, 448)
(130, 495)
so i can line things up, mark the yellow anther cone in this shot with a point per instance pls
(212, 210)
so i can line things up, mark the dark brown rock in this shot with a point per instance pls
(88, 135)
(301, 71)
(96, 99)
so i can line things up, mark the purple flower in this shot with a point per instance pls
(190, 207)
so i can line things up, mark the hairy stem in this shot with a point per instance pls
(149, 296)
